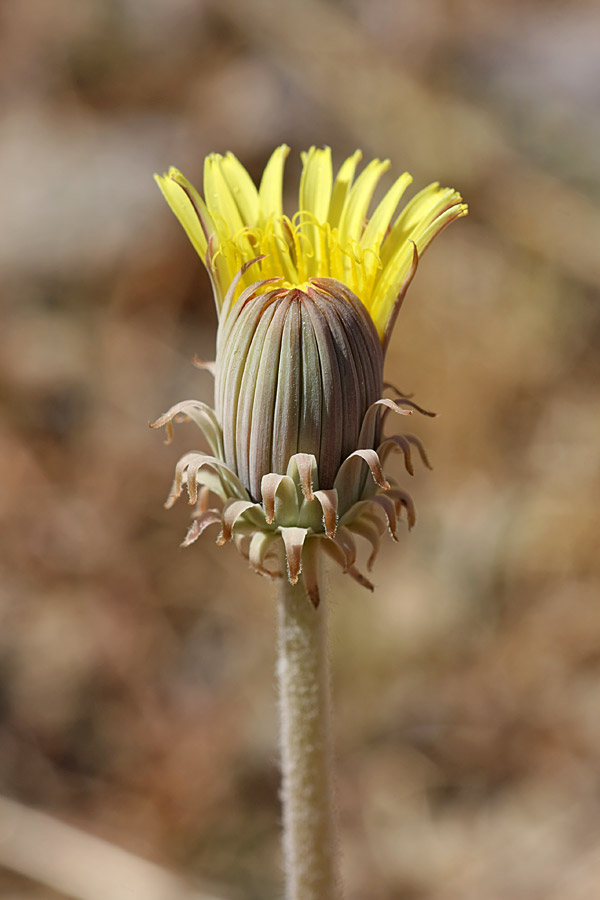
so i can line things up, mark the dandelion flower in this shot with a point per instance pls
(306, 306)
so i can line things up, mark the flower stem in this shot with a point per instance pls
(309, 838)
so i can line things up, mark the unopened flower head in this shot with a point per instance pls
(306, 307)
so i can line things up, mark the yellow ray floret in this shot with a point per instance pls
(331, 235)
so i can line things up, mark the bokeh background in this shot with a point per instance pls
(137, 699)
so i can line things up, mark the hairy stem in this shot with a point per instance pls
(309, 839)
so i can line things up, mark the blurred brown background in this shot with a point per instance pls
(137, 700)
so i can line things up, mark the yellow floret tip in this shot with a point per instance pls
(331, 235)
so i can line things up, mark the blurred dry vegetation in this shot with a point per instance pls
(137, 698)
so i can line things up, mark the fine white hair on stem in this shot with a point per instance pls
(309, 834)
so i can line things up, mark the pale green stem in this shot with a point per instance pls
(309, 838)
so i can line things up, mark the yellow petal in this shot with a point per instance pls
(226, 214)
(185, 210)
(378, 224)
(271, 186)
(397, 268)
(381, 218)
(242, 187)
(417, 215)
(219, 199)
(389, 285)
(341, 187)
(427, 234)
(316, 182)
(355, 209)
(315, 193)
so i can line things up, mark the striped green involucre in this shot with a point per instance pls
(296, 371)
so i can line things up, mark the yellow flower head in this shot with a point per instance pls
(306, 307)
(331, 235)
